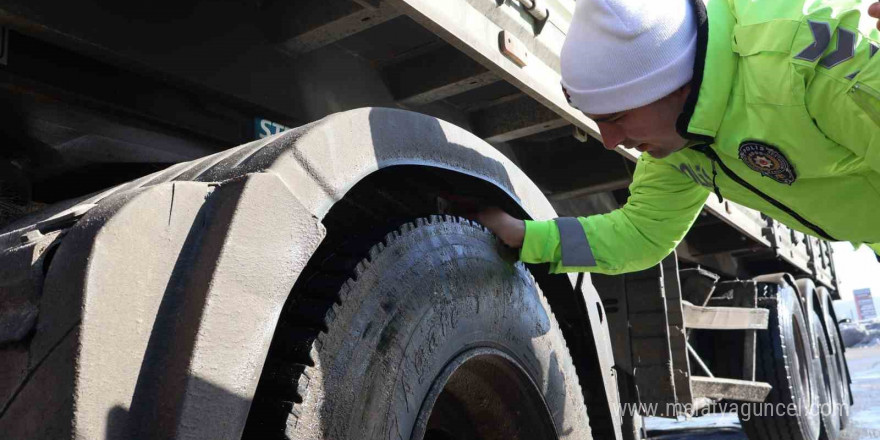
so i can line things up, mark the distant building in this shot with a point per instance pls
(864, 304)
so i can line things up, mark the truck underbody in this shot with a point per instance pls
(195, 296)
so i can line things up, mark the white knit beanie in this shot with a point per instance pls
(623, 54)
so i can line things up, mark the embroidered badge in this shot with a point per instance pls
(768, 161)
(697, 173)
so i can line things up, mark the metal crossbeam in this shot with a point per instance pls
(319, 23)
(436, 75)
(517, 119)
(724, 318)
(721, 388)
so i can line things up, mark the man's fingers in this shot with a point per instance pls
(874, 11)
(455, 205)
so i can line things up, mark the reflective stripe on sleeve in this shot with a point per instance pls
(575, 246)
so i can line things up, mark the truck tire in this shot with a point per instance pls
(434, 335)
(829, 393)
(784, 360)
(844, 399)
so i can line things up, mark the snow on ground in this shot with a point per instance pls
(864, 365)
(709, 427)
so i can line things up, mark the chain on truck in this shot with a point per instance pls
(159, 282)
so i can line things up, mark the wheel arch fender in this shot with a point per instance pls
(811, 297)
(828, 305)
(806, 294)
(825, 307)
(199, 225)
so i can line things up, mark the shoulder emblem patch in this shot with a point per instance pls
(767, 160)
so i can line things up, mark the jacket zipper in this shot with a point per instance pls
(713, 156)
(868, 99)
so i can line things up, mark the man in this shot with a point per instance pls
(772, 104)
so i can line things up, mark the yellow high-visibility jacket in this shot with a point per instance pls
(784, 118)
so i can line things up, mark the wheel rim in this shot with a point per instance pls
(483, 393)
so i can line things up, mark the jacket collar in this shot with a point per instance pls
(714, 69)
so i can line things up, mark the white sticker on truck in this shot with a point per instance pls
(265, 127)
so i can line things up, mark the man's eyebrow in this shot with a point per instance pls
(608, 118)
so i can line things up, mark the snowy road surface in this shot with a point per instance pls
(864, 364)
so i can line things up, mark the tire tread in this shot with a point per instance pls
(310, 314)
(770, 348)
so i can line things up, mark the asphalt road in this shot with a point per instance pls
(864, 364)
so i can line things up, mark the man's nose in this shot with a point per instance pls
(612, 135)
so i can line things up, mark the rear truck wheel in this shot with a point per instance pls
(433, 335)
(784, 360)
(838, 363)
(829, 395)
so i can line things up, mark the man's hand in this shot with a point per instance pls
(509, 229)
(874, 11)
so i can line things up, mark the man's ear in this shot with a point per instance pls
(679, 94)
(684, 90)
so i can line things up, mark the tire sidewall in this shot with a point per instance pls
(837, 361)
(791, 315)
(828, 397)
